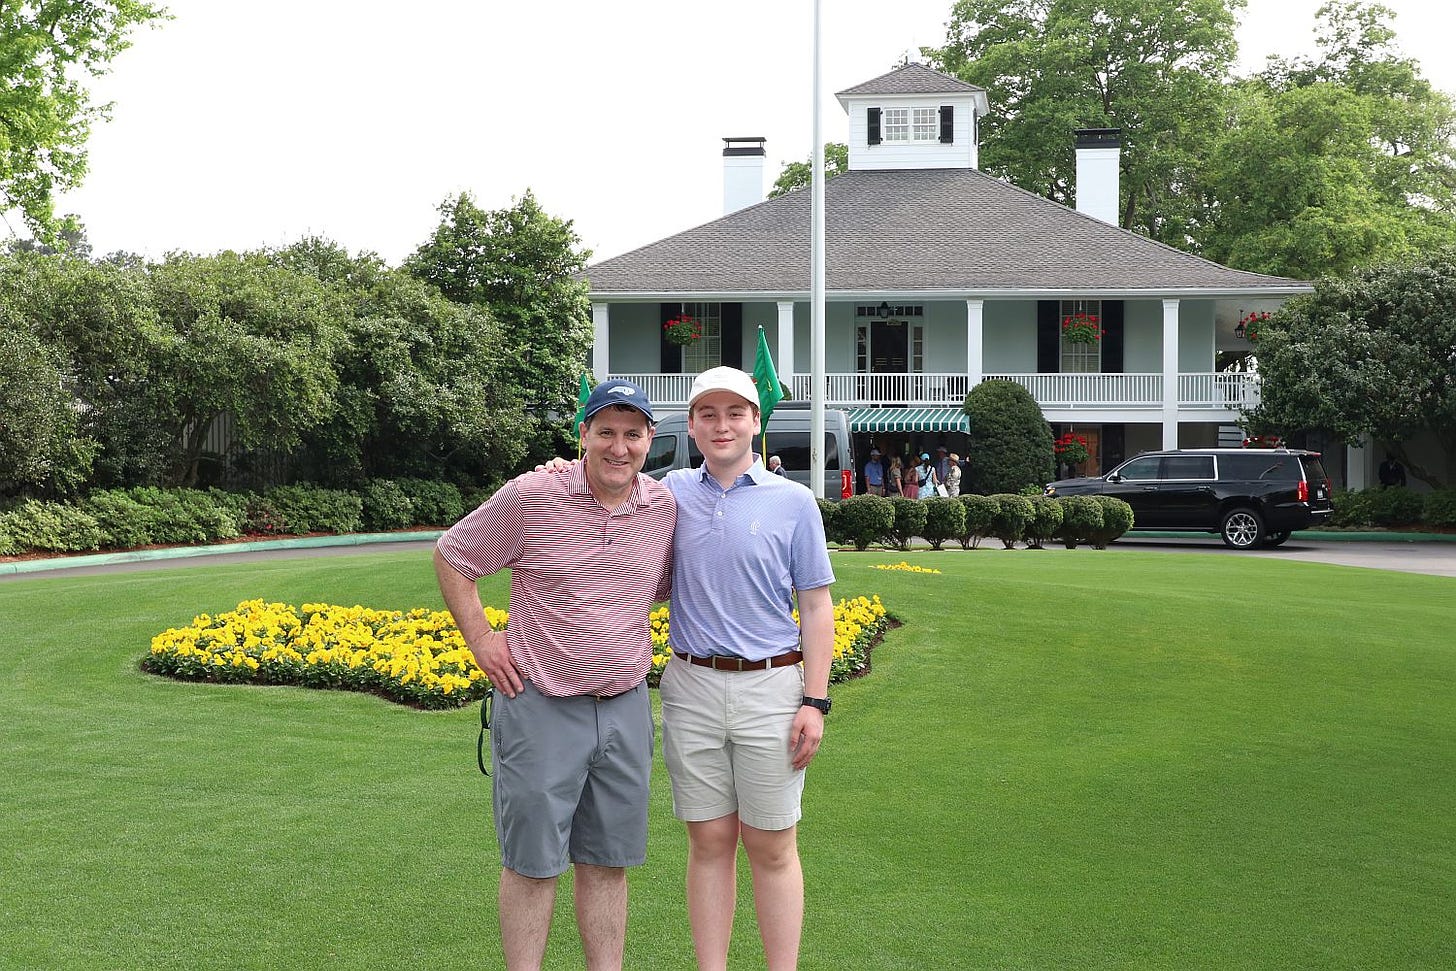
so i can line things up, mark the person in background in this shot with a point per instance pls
(1392, 473)
(874, 473)
(776, 466)
(910, 480)
(893, 477)
(942, 464)
(953, 476)
(590, 552)
(925, 477)
(745, 693)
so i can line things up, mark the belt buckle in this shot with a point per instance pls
(727, 666)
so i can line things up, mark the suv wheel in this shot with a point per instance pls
(1276, 539)
(1242, 529)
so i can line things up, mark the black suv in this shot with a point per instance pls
(1249, 496)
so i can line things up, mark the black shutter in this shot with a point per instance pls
(1112, 339)
(1048, 337)
(732, 326)
(672, 354)
(947, 123)
(873, 126)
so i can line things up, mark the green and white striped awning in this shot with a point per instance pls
(908, 420)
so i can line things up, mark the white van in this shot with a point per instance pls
(788, 438)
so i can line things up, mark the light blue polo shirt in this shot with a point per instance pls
(737, 558)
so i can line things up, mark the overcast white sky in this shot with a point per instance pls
(245, 124)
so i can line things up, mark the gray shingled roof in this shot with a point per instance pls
(913, 78)
(917, 229)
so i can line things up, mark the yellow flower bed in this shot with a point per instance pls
(416, 657)
(906, 567)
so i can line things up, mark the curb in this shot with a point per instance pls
(182, 552)
(1339, 536)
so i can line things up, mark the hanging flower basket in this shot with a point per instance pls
(1252, 324)
(1082, 328)
(1071, 449)
(682, 330)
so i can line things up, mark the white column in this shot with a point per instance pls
(975, 342)
(599, 342)
(1357, 465)
(1170, 374)
(785, 363)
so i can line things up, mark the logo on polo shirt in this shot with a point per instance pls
(622, 389)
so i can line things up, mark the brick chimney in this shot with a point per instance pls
(1099, 152)
(742, 173)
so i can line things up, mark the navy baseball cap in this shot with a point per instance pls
(618, 392)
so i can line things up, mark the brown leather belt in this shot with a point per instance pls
(720, 662)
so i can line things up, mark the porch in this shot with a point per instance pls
(1220, 394)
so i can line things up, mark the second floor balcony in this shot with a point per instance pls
(1221, 394)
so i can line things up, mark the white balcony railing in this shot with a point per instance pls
(1198, 390)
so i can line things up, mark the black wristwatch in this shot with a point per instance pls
(821, 703)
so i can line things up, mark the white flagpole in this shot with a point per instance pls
(816, 296)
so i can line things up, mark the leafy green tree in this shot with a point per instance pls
(37, 422)
(1154, 68)
(1334, 161)
(524, 266)
(48, 50)
(245, 337)
(424, 383)
(1010, 442)
(1370, 355)
(798, 175)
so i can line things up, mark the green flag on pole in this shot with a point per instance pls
(766, 380)
(581, 397)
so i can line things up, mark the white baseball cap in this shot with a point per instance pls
(724, 379)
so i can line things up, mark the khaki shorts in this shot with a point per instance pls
(725, 739)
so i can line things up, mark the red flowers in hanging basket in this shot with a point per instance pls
(1071, 449)
(1082, 328)
(1251, 324)
(683, 330)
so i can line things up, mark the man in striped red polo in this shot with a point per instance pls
(571, 733)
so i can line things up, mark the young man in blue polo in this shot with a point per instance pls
(745, 695)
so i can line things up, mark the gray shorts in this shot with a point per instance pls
(570, 780)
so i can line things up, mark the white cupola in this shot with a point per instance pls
(914, 118)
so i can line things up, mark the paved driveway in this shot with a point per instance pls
(1433, 558)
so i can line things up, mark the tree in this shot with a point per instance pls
(48, 48)
(524, 266)
(1010, 442)
(37, 422)
(1335, 161)
(798, 175)
(1153, 68)
(424, 383)
(1372, 355)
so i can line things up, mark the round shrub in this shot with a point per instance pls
(1351, 508)
(1395, 506)
(1081, 519)
(1046, 519)
(1012, 514)
(1440, 508)
(909, 520)
(1010, 441)
(863, 520)
(829, 516)
(124, 522)
(433, 503)
(945, 518)
(980, 510)
(1116, 520)
(386, 506)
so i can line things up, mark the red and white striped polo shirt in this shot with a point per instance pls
(583, 577)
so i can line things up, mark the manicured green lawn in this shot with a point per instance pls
(1064, 759)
